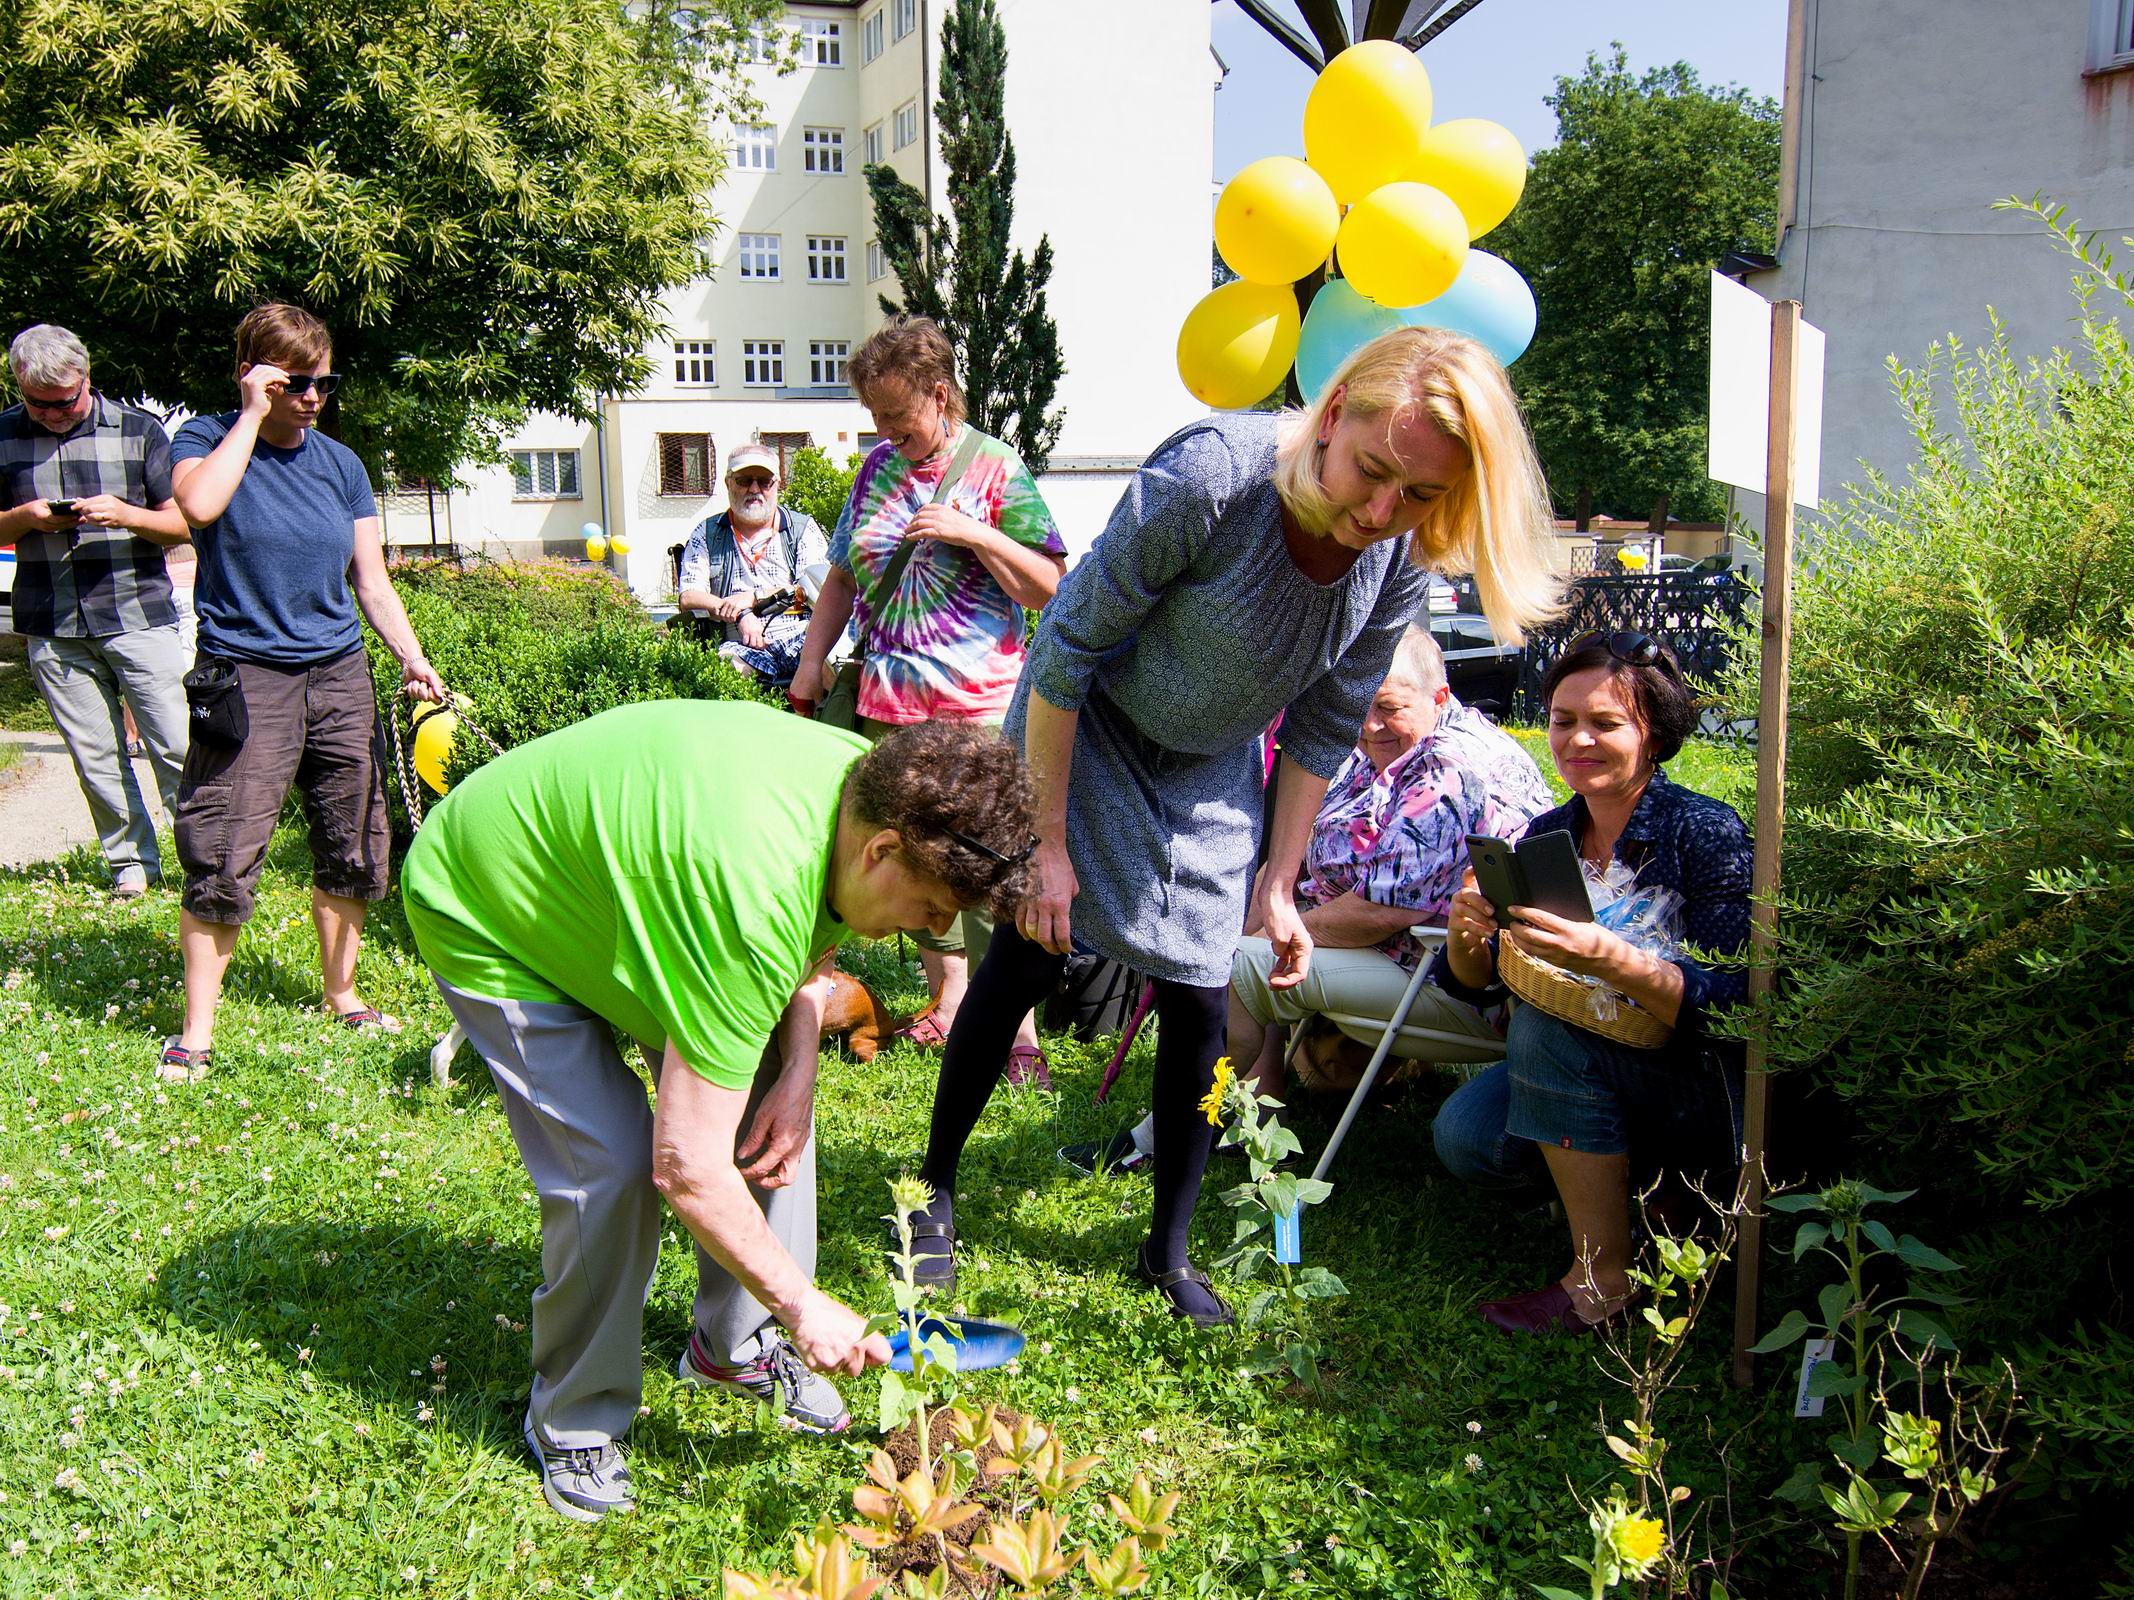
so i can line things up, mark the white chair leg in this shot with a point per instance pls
(441, 1055)
(1370, 1073)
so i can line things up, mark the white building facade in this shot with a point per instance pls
(1113, 148)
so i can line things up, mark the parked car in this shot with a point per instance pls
(1482, 672)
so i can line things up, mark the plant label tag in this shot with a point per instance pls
(1288, 1239)
(1813, 1354)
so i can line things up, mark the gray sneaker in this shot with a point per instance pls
(804, 1400)
(585, 1485)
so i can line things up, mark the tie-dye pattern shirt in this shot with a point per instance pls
(949, 643)
(1399, 837)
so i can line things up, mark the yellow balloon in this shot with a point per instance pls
(596, 549)
(1479, 165)
(1402, 244)
(619, 544)
(1276, 221)
(433, 746)
(1365, 118)
(1237, 343)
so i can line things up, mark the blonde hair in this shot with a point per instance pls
(1495, 520)
(907, 350)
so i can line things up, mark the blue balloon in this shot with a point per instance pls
(1339, 323)
(1488, 301)
(592, 530)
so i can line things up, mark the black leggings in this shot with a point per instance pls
(1015, 976)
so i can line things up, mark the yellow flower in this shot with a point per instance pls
(1211, 1103)
(1640, 1541)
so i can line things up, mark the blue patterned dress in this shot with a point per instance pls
(1177, 639)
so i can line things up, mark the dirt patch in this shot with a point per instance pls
(967, 1575)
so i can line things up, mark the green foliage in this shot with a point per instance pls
(958, 269)
(1651, 180)
(485, 199)
(1958, 923)
(815, 486)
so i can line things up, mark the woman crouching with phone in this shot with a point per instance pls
(1566, 1104)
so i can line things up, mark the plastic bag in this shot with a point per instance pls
(1648, 916)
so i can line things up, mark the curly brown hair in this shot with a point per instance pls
(909, 351)
(958, 796)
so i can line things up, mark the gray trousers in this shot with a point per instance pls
(82, 681)
(584, 1128)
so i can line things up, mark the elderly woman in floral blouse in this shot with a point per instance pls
(1387, 851)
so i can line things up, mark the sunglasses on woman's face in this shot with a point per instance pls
(990, 853)
(302, 383)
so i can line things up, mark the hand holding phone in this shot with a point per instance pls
(1542, 871)
(62, 508)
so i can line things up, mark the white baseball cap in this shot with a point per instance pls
(752, 455)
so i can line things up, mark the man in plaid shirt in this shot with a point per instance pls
(85, 498)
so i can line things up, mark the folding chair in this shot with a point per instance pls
(1433, 1045)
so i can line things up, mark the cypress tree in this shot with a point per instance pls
(958, 269)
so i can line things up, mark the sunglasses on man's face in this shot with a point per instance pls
(67, 404)
(754, 480)
(302, 383)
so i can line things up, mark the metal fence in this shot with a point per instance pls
(1687, 612)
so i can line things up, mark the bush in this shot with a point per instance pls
(819, 488)
(539, 646)
(1958, 919)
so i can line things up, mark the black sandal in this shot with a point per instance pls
(1165, 1282)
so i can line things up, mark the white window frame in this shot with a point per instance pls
(2111, 35)
(760, 252)
(696, 363)
(873, 145)
(871, 36)
(760, 48)
(822, 42)
(826, 362)
(554, 461)
(756, 146)
(822, 151)
(825, 251)
(904, 17)
(877, 261)
(909, 109)
(763, 363)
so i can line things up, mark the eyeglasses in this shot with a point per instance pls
(302, 383)
(68, 404)
(990, 853)
(755, 480)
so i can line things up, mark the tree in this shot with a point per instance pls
(816, 485)
(1651, 181)
(485, 199)
(989, 300)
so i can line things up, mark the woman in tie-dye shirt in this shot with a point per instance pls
(948, 642)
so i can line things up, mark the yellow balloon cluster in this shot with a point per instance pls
(1414, 196)
(434, 727)
(596, 547)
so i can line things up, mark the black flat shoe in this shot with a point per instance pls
(1166, 1283)
(931, 1269)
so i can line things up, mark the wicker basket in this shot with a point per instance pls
(1541, 983)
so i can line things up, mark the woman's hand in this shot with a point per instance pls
(949, 526)
(1582, 947)
(260, 385)
(1043, 918)
(1283, 927)
(418, 679)
(1470, 920)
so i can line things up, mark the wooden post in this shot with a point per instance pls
(1770, 818)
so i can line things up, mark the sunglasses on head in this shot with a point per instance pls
(1631, 648)
(301, 383)
(990, 853)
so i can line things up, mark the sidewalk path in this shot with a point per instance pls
(42, 812)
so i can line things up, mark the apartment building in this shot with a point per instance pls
(1113, 146)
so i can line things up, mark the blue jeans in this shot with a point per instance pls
(1667, 1110)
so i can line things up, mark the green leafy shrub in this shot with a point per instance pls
(1958, 919)
(817, 486)
(540, 645)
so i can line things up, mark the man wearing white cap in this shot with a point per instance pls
(749, 556)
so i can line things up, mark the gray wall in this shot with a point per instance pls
(1912, 118)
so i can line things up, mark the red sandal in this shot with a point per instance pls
(1028, 1068)
(923, 1032)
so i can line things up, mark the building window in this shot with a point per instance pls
(906, 18)
(685, 462)
(696, 362)
(870, 36)
(2111, 34)
(788, 445)
(759, 255)
(822, 43)
(826, 259)
(907, 123)
(756, 147)
(760, 46)
(544, 474)
(867, 442)
(871, 145)
(763, 363)
(877, 261)
(826, 362)
(823, 149)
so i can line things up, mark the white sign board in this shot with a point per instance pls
(1738, 441)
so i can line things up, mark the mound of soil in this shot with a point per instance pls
(967, 1576)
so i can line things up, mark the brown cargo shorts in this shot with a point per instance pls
(313, 726)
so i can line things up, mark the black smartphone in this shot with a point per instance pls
(1497, 875)
(62, 508)
(1555, 881)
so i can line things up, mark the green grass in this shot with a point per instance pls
(10, 755)
(265, 1334)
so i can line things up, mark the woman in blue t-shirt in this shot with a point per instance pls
(287, 531)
